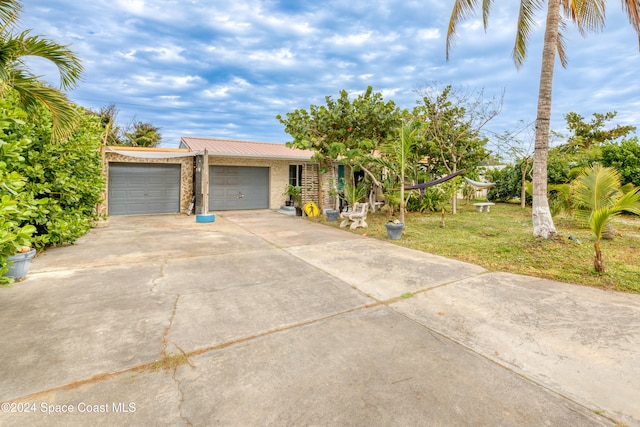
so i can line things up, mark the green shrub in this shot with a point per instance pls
(431, 201)
(48, 191)
(507, 182)
(15, 204)
(65, 179)
(626, 158)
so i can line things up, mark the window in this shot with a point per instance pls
(295, 175)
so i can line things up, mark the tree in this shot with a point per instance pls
(599, 198)
(585, 136)
(507, 183)
(343, 129)
(625, 157)
(452, 124)
(112, 133)
(588, 15)
(15, 74)
(585, 145)
(143, 135)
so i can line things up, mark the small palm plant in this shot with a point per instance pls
(599, 197)
(396, 154)
(353, 193)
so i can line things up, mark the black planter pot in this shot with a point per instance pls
(394, 230)
(298, 211)
(332, 215)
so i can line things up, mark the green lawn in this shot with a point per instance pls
(502, 240)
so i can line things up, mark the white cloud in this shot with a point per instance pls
(428, 34)
(235, 85)
(129, 55)
(217, 92)
(282, 57)
(151, 80)
(136, 7)
(173, 62)
(351, 39)
(171, 53)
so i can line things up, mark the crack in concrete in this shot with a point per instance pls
(165, 334)
(151, 366)
(180, 390)
(182, 398)
(154, 282)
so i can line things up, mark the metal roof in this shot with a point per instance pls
(232, 148)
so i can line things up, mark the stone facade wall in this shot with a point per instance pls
(278, 177)
(186, 176)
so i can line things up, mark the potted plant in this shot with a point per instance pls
(295, 197)
(332, 214)
(393, 225)
(15, 252)
(396, 153)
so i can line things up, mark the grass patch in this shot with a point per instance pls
(502, 240)
(170, 361)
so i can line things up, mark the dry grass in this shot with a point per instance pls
(502, 240)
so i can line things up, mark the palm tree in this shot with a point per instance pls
(397, 152)
(15, 74)
(588, 15)
(143, 135)
(599, 197)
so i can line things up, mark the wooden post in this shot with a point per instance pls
(197, 184)
(204, 189)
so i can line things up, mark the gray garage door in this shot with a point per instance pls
(238, 187)
(137, 188)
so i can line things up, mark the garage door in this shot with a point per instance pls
(137, 188)
(238, 187)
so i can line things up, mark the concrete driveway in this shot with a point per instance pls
(265, 319)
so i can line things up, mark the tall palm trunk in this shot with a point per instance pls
(541, 215)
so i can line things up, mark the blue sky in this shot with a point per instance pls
(212, 68)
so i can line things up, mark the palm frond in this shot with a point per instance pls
(628, 202)
(9, 11)
(486, 8)
(588, 15)
(598, 221)
(597, 187)
(462, 10)
(32, 92)
(560, 43)
(599, 197)
(62, 57)
(526, 26)
(632, 9)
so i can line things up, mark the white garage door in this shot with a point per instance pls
(138, 188)
(238, 187)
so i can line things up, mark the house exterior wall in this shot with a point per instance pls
(278, 176)
(186, 177)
